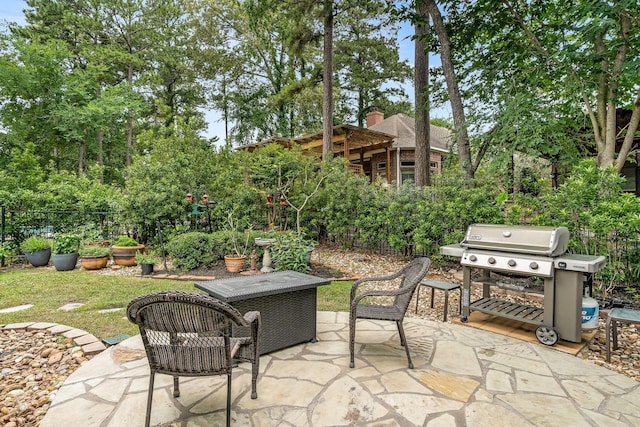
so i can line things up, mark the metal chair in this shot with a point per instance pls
(411, 275)
(188, 334)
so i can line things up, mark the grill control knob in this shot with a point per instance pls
(533, 266)
(491, 260)
(512, 263)
(473, 258)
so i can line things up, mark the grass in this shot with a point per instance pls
(48, 290)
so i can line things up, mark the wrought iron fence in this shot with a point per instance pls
(17, 225)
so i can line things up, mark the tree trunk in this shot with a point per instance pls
(327, 79)
(462, 137)
(129, 121)
(421, 87)
(82, 154)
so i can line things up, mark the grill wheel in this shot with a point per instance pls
(547, 335)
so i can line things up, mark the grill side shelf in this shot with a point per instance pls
(509, 310)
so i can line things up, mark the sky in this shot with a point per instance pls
(11, 10)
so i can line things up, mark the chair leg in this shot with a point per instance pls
(229, 399)
(176, 386)
(147, 419)
(352, 333)
(418, 297)
(255, 368)
(403, 341)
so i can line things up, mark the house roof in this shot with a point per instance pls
(403, 127)
(353, 137)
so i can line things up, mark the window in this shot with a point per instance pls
(409, 175)
(382, 165)
(408, 164)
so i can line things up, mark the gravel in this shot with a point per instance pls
(34, 364)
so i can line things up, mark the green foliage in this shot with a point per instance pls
(150, 257)
(193, 250)
(94, 250)
(125, 241)
(65, 243)
(291, 252)
(34, 244)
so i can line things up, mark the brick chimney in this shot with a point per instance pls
(374, 117)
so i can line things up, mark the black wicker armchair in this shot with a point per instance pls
(188, 334)
(410, 275)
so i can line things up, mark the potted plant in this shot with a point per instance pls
(291, 251)
(65, 251)
(146, 261)
(37, 250)
(124, 251)
(94, 257)
(235, 262)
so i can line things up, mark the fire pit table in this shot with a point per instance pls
(286, 301)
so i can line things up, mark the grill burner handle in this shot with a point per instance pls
(491, 260)
(533, 266)
(512, 263)
(473, 258)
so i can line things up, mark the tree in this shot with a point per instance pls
(421, 87)
(540, 84)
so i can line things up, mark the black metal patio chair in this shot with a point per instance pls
(188, 334)
(410, 276)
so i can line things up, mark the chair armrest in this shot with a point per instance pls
(358, 282)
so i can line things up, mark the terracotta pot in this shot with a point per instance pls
(125, 255)
(94, 262)
(234, 263)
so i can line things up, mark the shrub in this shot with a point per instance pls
(193, 250)
(94, 250)
(34, 244)
(125, 241)
(66, 244)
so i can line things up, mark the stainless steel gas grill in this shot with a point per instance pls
(532, 252)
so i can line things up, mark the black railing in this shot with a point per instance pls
(17, 225)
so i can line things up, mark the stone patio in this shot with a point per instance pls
(462, 376)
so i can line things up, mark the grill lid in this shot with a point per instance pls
(547, 241)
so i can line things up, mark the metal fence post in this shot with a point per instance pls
(2, 225)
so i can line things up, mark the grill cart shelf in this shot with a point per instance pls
(534, 252)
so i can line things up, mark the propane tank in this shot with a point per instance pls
(589, 312)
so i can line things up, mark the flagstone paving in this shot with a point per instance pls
(462, 377)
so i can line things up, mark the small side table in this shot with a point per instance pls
(624, 315)
(443, 286)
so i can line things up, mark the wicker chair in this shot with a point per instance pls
(188, 334)
(411, 275)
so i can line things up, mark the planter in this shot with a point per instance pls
(94, 262)
(147, 269)
(234, 263)
(65, 262)
(125, 255)
(39, 258)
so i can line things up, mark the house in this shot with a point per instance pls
(401, 160)
(384, 150)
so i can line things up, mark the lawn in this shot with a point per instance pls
(48, 290)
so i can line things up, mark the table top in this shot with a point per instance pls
(246, 287)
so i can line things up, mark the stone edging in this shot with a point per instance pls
(89, 343)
